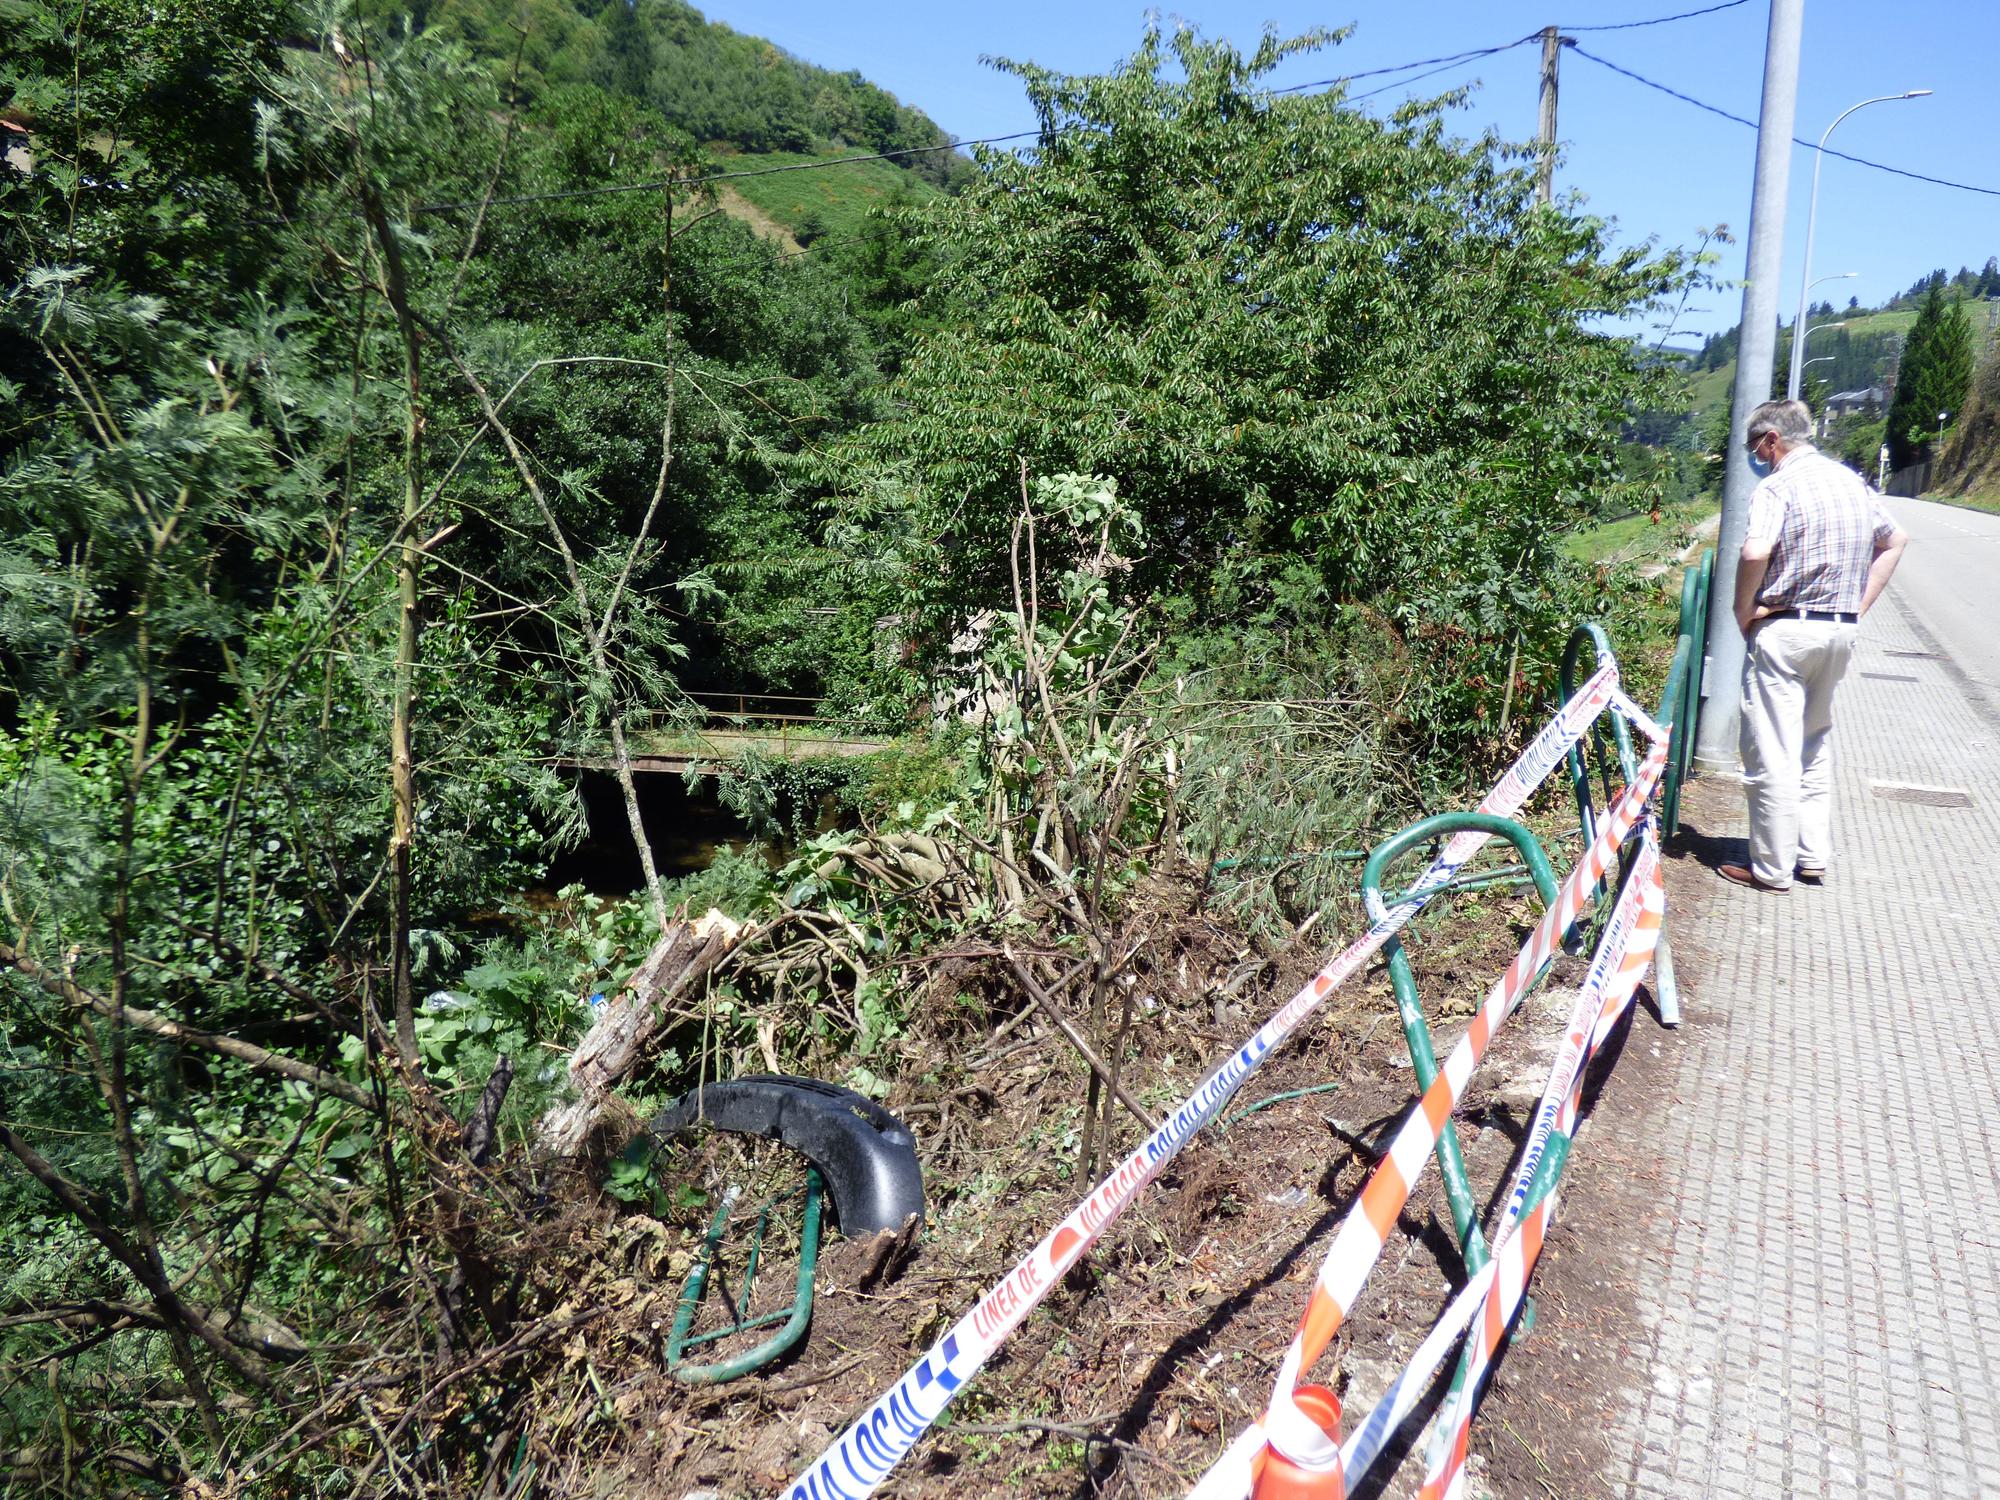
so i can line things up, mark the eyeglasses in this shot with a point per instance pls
(1755, 443)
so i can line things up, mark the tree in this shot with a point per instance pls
(1936, 374)
(1305, 341)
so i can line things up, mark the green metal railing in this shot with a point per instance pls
(1606, 754)
(793, 1317)
(1410, 1010)
(1680, 701)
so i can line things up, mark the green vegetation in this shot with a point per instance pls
(1935, 380)
(1326, 397)
(699, 76)
(1655, 537)
(1197, 486)
(1968, 467)
(836, 201)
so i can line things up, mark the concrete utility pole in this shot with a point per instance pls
(1756, 358)
(1545, 136)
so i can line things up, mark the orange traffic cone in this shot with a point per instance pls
(1282, 1478)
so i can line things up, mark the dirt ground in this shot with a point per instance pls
(1133, 1375)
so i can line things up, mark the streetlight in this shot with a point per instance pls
(1941, 416)
(1792, 393)
(1819, 360)
(1815, 329)
(1812, 215)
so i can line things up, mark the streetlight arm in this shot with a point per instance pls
(1878, 99)
(1806, 282)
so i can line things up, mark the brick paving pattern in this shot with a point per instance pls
(1824, 1315)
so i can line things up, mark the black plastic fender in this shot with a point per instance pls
(867, 1156)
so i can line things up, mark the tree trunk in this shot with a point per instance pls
(619, 1038)
(402, 766)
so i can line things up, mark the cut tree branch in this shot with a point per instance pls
(1084, 1049)
(220, 1044)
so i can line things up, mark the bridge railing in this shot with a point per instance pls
(750, 710)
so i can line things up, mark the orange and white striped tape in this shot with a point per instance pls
(1623, 955)
(1643, 910)
(863, 1456)
(1358, 1243)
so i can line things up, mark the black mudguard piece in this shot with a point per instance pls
(867, 1156)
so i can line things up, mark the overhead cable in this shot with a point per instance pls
(1860, 161)
(1434, 64)
(1686, 15)
(1426, 62)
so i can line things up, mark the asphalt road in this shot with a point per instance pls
(1950, 580)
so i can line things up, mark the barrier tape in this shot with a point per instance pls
(1358, 1243)
(1623, 955)
(1511, 1265)
(1643, 909)
(862, 1457)
(1638, 718)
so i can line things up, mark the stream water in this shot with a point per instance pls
(687, 829)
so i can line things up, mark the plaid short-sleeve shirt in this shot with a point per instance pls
(1825, 526)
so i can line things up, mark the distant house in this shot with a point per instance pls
(1868, 402)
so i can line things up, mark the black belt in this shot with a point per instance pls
(1831, 616)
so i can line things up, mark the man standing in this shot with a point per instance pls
(1818, 552)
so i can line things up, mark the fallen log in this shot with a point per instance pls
(626, 1024)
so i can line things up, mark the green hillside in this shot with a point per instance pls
(1712, 388)
(724, 90)
(832, 201)
(1863, 345)
(1862, 323)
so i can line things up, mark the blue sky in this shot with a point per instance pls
(1656, 166)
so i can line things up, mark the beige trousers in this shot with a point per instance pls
(1790, 672)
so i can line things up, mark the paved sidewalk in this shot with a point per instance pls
(1824, 1314)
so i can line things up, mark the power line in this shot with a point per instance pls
(1455, 57)
(1434, 64)
(1686, 15)
(1405, 82)
(1860, 161)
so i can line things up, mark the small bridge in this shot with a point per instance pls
(772, 724)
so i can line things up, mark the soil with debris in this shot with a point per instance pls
(1134, 1374)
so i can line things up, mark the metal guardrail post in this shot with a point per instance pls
(793, 1317)
(1409, 1008)
(1698, 661)
(1677, 718)
(1680, 679)
(1674, 716)
(1680, 712)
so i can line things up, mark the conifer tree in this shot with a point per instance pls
(1937, 372)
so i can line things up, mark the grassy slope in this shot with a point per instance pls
(1986, 499)
(1640, 539)
(1712, 389)
(840, 195)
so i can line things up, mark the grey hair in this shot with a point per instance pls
(1790, 420)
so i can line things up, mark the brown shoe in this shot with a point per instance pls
(1741, 875)
(1809, 877)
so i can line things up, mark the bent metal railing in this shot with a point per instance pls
(1621, 849)
(1409, 1008)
